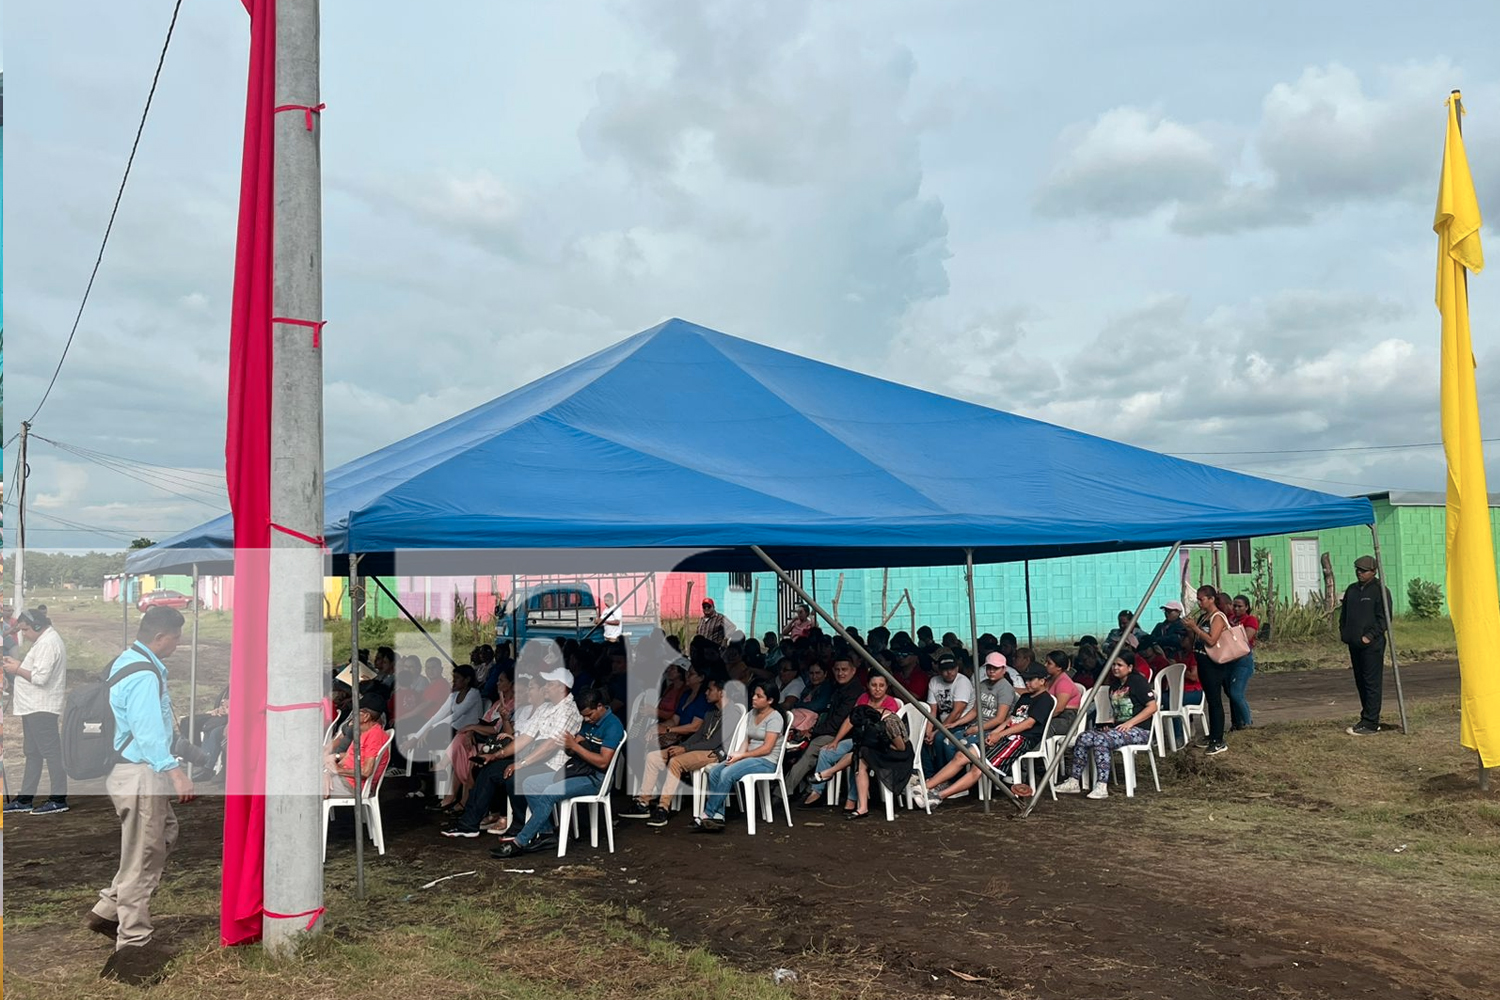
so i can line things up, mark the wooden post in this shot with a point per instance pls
(885, 582)
(1218, 580)
(913, 609)
(885, 619)
(1270, 608)
(1330, 589)
(687, 604)
(838, 592)
(754, 607)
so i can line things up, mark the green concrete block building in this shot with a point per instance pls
(1081, 595)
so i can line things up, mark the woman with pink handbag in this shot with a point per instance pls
(1218, 645)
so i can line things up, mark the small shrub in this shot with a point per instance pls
(1424, 598)
(1292, 622)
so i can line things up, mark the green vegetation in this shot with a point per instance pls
(1426, 598)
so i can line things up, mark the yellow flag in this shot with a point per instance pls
(1472, 591)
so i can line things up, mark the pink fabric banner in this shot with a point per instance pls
(247, 460)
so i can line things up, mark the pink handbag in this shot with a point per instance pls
(1232, 643)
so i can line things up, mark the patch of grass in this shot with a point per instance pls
(1417, 640)
(1307, 792)
(537, 940)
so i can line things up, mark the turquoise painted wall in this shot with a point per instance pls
(1083, 594)
(1069, 597)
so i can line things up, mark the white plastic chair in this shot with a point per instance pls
(1129, 752)
(1044, 753)
(700, 776)
(567, 809)
(764, 779)
(916, 728)
(1171, 681)
(370, 798)
(1096, 707)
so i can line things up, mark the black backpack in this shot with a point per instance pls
(88, 725)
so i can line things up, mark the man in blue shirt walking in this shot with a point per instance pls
(142, 785)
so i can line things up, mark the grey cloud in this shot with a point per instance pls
(1127, 163)
(1323, 140)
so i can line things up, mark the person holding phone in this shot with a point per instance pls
(1132, 702)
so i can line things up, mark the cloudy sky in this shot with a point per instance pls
(1199, 230)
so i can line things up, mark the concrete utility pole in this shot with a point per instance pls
(295, 661)
(20, 566)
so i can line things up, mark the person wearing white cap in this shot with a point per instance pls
(537, 749)
(1169, 631)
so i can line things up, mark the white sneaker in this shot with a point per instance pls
(1068, 787)
(933, 799)
(1099, 791)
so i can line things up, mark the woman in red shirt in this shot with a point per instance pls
(1241, 669)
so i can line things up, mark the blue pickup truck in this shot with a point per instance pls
(557, 611)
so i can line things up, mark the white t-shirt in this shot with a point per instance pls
(794, 689)
(943, 695)
(612, 627)
(47, 660)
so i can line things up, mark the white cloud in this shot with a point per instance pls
(1128, 163)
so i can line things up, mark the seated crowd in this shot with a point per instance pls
(510, 738)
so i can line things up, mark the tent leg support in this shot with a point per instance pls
(1050, 771)
(985, 770)
(979, 718)
(1390, 638)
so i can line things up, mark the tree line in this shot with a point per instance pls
(55, 569)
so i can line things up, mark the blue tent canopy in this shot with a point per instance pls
(686, 439)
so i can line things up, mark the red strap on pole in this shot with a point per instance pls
(309, 539)
(309, 109)
(315, 325)
(295, 708)
(313, 915)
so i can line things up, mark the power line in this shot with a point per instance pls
(112, 212)
(90, 528)
(156, 480)
(141, 477)
(1367, 487)
(1324, 451)
(207, 483)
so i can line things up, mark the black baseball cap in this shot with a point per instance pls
(1035, 672)
(946, 659)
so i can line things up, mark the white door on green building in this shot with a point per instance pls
(1307, 575)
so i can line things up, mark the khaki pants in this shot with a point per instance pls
(148, 832)
(679, 765)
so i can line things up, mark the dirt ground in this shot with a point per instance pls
(1077, 901)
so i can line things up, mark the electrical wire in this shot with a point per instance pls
(208, 483)
(140, 128)
(1325, 451)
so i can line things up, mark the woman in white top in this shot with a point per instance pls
(463, 707)
(764, 727)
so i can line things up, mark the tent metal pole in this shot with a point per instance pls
(402, 608)
(1390, 637)
(979, 719)
(1030, 639)
(193, 676)
(356, 610)
(975, 758)
(1078, 723)
(124, 609)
